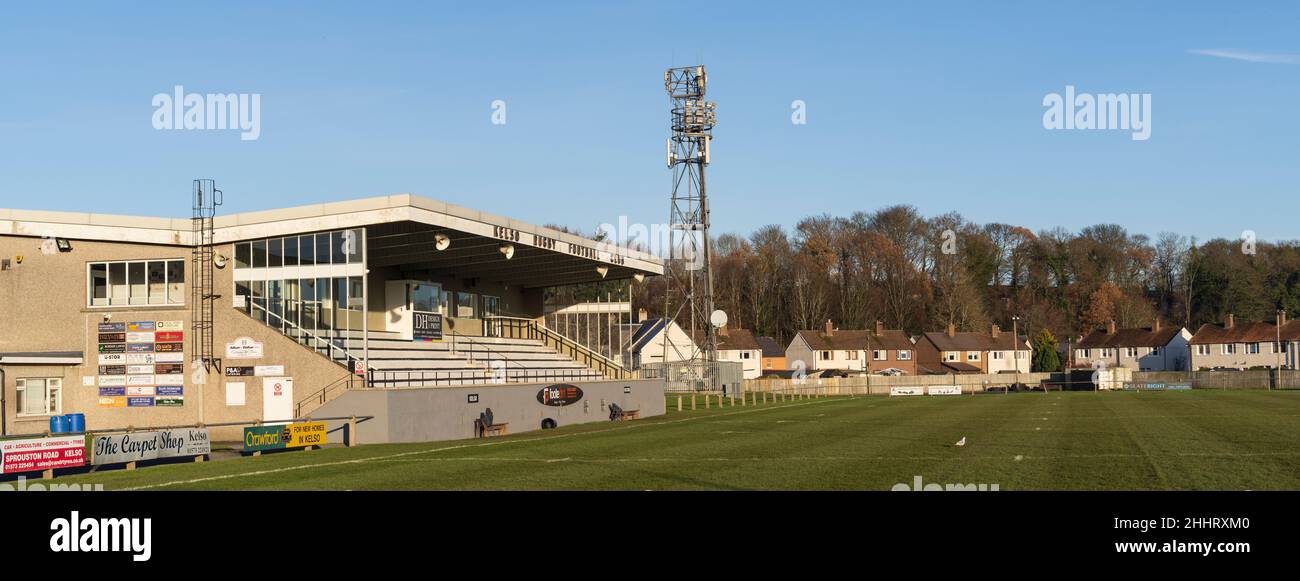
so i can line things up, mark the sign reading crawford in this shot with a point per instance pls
(279, 437)
(121, 448)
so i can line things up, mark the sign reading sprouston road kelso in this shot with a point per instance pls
(120, 448)
(279, 437)
(559, 395)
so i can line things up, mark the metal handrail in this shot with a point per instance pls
(592, 358)
(330, 345)
(322, 394)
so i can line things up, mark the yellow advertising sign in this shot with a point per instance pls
(112, 402)
(305, 434)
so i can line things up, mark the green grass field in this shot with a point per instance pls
(1201, 440)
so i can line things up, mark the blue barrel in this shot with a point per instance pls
(76, 422)
(58, 424)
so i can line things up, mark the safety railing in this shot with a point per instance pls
(325, 346)
(322, 396)
(522, 328)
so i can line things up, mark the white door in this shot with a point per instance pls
(277, 399)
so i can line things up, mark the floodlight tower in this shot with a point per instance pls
(689, 299)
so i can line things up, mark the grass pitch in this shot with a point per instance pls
(1199, 440)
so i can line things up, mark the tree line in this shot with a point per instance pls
(919, 274)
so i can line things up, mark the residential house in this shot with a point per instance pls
(773, 355)
(1158, 348)
(852, 350)
(657, 341)
(1245, 345)
(971, 352)
(739, 345)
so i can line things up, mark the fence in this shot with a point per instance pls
(880, 384)
(724, 376)
(1250, 379)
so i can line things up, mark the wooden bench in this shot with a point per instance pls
(487, 431)
(628, 415)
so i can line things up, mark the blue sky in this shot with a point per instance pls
(935, 104)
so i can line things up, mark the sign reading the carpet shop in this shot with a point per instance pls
(42, 454)
(279, 437)
(244, 348)
(121, 448)
(559, 395)
(426, 326)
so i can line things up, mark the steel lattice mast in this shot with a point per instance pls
(689, 299)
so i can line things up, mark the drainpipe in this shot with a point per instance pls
(4, 413)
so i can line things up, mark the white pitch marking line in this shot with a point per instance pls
(457, 447)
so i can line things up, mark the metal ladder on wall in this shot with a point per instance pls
(203, 297)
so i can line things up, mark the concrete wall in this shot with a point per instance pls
(445, 413)
(45, 309)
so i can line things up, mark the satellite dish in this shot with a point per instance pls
(718, 318)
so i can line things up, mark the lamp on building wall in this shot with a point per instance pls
(220, 260)
(507, 250)
(441, 241)
(639, 277)
(602, 270)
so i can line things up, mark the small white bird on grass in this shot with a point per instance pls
(961, 442)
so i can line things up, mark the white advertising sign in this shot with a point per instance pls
(112, 380)
(944, 390)
(139, 337)
(139, 369)
(262, 370)
(167, 357)
(139, 390)
(906, 391)
(244, 348)
(139, 380)
(113, 358)
(277, 399)
(235, 393)
(171, 325)
(141, 359)
(170, 379)
(120, 448)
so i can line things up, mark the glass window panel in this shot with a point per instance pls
(275, 252)
(425, 297)
(117, 283)
(325, 318)
(99, 284)
(157, 282)
(322, 248)
(259, 253)
(243, 255)
(307, 250)
(354, 243)
(135, 273)
(309, 305)
(465, 305)
(176, 282)
(291, 251)
(336, 246)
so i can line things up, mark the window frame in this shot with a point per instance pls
(20, 394)
(126, 266)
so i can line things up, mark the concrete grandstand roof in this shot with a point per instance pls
(431, 215)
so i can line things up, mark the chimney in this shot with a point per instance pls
(952, 330)
(995, 330)
(1110, 327)
(1155, 325)
(723, 331)
(880, 328)
(1281, 317)
(642, 315)
(1227, 321)
(830, 329)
